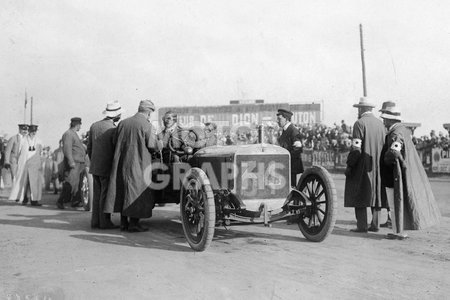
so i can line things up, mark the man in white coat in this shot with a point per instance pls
(28, 181)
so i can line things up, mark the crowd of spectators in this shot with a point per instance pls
(320, 137)
(440, 140)
(316, 137)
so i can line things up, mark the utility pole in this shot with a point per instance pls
(362, 61)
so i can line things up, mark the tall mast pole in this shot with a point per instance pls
(362, 61)
(31, 111)
(25, 109)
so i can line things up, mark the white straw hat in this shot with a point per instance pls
(113, 109)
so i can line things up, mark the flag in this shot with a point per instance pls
(26, 100)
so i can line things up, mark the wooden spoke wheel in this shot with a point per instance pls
(197, 209)
(318, 220)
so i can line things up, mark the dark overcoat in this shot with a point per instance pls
(100, 148)
(363, 180)
(416, 206)
(287, 140)
(129, 191)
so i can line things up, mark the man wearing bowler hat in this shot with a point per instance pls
(363, 181)
(290, 139)
(100, 148)
(74, 163)
(12, 150)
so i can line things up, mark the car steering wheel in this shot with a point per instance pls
(179, 140)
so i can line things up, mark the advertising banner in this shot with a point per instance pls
(441, 160)
(237, 114)
(325, 159)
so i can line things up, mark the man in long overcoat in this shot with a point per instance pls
(408, 189)
(12, 150)
(290, 139)
(100, 149)
(74, 163)
(363, 181)
(129, 188)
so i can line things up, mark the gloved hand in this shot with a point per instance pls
(348, 171)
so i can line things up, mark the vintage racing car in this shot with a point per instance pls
(224, 185)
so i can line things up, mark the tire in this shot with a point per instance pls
(87, 189)
(320, 216)
(197, 209)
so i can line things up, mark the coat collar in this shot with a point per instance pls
(286, 126)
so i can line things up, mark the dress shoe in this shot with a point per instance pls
(60, 205)
(359, 230)
(110, 225)
(124, 223)
(373, 229)
(35, 203)
(136, 228)
(77, 204)
(392, 236)
(24, 203)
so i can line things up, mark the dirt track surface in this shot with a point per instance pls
(47, 253)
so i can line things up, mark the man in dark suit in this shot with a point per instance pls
(100, 148)
(290, 139)
(74, 164)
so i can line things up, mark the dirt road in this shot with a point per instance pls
(47, 253)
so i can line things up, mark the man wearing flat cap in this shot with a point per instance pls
(129, 189)
(363, 182)
(290, 139)
(100, 149)
(12, 150)
(74, 163)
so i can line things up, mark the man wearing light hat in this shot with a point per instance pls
(100, 149)
(129, 189)
(363, 182)
(408, 189)
(74, 163)
(290, 139)
(12, 150)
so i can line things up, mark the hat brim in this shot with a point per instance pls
(364, 105)
(390, 117)
(114, 113)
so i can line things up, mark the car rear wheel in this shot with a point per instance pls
(87, 189)
(318, 220)
(197, 209)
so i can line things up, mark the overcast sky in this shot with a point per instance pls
(75, 56)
